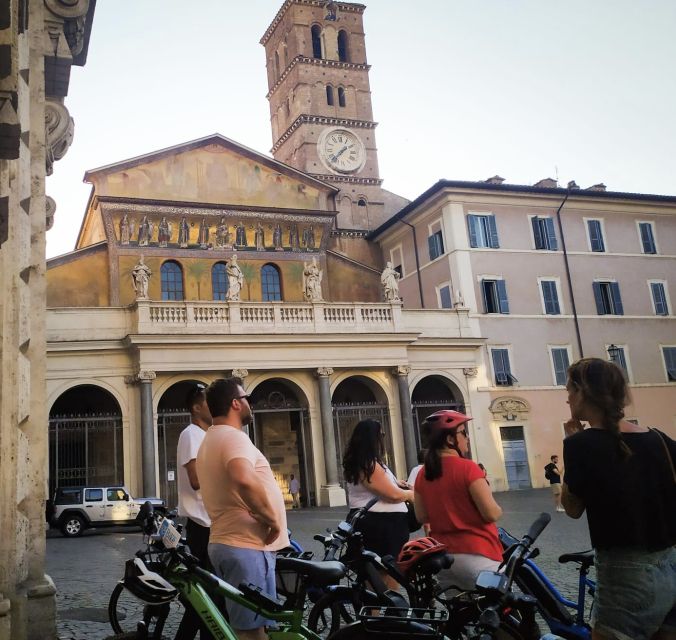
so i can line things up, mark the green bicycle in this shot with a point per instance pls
(166, 572)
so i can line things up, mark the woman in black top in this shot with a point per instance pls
(623, 476)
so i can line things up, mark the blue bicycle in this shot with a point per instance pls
(554, 608)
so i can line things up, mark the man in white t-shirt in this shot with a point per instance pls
(190, 503)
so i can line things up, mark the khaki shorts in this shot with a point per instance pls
(556, 488)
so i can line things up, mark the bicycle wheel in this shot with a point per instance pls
(329, 613)
(126, 612)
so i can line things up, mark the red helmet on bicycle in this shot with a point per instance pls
(447, 419)
(415, 550)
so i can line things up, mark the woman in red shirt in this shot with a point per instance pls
(452, 495)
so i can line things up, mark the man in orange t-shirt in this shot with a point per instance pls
(243, 500)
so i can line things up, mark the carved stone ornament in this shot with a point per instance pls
(470, 372)
(240, 373)
(324, 372)
(59, 128)
(50, 210)
(146, 376)
(509, 408)
(401, 370)
(68, 8)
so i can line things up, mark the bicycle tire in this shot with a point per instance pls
(329, 613)
(358, 631)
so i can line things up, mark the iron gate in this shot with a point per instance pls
(346, 417)
(169, 426)
(85, 449)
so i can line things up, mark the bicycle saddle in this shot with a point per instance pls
(585, 558)
(321, 573)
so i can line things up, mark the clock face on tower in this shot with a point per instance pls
(341, 150)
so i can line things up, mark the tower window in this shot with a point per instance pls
(329, 95)
(341, 97)
(172, 281)
(316, 41)
(342, 46)
(361, 202)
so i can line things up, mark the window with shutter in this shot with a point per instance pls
(669, 354)
(436, 245)
(543, 233)
(495, 296)
(561, 362)
(647, 237)
(659, 298)
(483, 231)
(620, 359)
(608, 299)
(550, 297)
(445, 297)
(501, 367)
(596, 236)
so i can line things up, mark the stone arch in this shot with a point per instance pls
(104, 384)
(344, 220)
(85, 438)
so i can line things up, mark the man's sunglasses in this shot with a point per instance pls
(246, 396)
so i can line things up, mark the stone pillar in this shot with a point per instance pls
(332, 495)
(147, 433)
(408, 431)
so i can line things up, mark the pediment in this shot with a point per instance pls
(212, 170)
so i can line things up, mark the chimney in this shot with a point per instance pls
(573, 185)
(597, 187)
(547, 183)
(495, 180)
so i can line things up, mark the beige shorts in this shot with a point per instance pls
(556, 488)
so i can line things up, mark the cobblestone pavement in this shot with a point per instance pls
(86, 569)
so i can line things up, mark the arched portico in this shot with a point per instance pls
(432, 393)
(85, 438)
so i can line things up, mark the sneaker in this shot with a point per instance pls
(560, 509)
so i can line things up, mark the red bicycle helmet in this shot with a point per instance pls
(447, 419)
(415, 550)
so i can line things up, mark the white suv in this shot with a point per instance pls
(75, 509)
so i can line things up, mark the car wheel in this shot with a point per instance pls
(72, 526)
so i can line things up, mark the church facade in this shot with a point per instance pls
(208, 259)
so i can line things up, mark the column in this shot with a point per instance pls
(147, 433)
(332, 494)
(410, 448)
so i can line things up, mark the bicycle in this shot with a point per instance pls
(165, 570)
(555, 608)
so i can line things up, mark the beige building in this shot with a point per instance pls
(549, 275)
(39, 42)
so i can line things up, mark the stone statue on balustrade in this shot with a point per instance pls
(293, 238)
(203, 236)
(312, 281)
(145, 232)
(223, 236)
(235, 280)
(309, 237)
(141, 279)
(240, 235)
(389, 279)
(164, 232)
(277, 238)
(260, 237)
(459, 300)
(126, 230)
(183, 233)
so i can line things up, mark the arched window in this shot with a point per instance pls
(219, 281)
(329, 95)
(342, 46)
(271, 283)
(361, 202)
(316, 41)
(172, 281)
(341, 97)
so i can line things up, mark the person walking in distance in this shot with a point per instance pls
(190, 503)
(294, 490)
(244, 502)
(553, 474)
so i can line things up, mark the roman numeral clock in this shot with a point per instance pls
(341, 150)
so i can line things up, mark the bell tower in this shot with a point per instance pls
(320, 103)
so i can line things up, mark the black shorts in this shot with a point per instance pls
(383, 533)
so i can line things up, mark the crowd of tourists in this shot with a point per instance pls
(621, 474)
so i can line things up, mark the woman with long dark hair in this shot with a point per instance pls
(623, 476)
(384, 526)
(452, 495)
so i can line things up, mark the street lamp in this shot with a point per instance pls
(614, 353)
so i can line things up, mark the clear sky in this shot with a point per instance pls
(581, 90)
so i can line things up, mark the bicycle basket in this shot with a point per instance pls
(406, 623)
(289, 581)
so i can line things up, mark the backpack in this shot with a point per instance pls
(549, 473)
